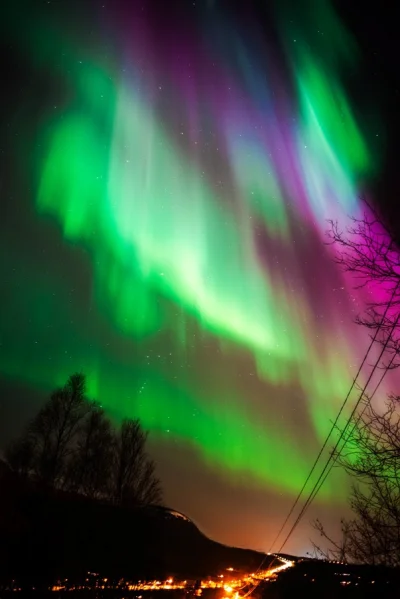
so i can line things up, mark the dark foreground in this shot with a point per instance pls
(57, 545)
(302, 578)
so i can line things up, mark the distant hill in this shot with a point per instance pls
(45, 536)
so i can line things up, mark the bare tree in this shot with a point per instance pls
(90, 468)
(134, 479)
(371, 452)
(372, 457)
(20, 455)
(48, 441)
(71, 444)
(369, 250)
(336, 550)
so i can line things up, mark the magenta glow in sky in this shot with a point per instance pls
(184, 170)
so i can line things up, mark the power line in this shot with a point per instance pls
(317, 485)
(349, 436)
(335, 421)
(323, 446)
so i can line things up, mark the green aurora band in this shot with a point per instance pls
(171, 220)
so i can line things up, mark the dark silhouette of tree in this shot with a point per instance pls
(336, 550)
(20, 455)
(55, 429)
(369, 250)
(372, 457)
(89, 470)
(46, 444)
(71, 445)
(371, 453)
(134, 480)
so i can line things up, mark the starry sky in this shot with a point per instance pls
(167, 172)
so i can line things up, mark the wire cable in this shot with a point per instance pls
(349, 436)
(336, 419)
(317, 485)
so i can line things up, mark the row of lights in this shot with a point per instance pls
(169, 584)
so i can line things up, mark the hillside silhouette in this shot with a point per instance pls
(46, 535)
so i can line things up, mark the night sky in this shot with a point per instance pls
(167, 172)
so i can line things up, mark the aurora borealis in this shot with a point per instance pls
(177, 172)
